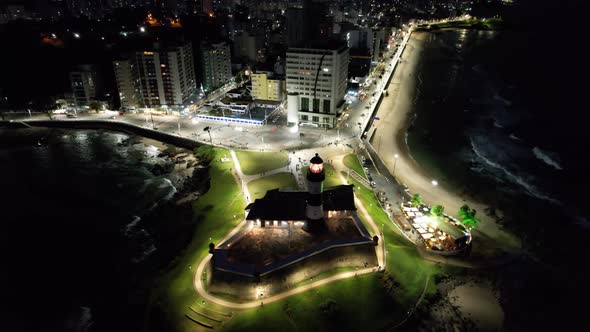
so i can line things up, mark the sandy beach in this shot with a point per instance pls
(395, 113)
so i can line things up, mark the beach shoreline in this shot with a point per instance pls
(396, 113)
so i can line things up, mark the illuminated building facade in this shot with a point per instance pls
(319, 75)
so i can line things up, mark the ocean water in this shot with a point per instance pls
(492, 121)
(74, 235)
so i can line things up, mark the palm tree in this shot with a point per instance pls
(437, 210)
(416, 200)
(208, 129)
(468, 216)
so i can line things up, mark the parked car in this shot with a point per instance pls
(373, 184)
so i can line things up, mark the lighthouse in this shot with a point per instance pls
(314, 211)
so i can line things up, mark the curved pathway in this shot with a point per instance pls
(198, 281)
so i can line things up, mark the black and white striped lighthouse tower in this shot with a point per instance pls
(314, 211)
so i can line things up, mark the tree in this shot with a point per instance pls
(208, 129)
(95, 105)
(205, 153)
(468, 216)
(416, 200)
(437, 210)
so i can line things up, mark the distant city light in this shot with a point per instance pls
(141, 29)
(77, 35)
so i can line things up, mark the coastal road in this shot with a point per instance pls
(390, 139)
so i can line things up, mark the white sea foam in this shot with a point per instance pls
(514, 137)
(145, 254)
(503, 100)
(544, 156)
(171, 191)
(478, 69)
(530, 189)
(130, 226)
(82, 322)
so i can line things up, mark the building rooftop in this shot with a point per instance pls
(290, 205)
(330, 45)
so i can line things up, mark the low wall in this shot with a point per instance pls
(178, 141)
(250, 288)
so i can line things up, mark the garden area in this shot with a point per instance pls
(257, 162)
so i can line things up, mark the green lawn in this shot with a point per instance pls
(258, 162)
(332, 177)
(352, 161)
(214, 215)
(403, 261)
(259, 187)
(361, 303)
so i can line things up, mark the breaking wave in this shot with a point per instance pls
(128, 231)
(530, 189)
(544, 156)
(502, 100)
(82, 322)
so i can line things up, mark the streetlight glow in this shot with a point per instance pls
(434, 183)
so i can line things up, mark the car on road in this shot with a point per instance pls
(367, 162)
(113, 117)
(373, 184)
(369, 177)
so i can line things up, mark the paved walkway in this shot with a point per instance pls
(294, 160)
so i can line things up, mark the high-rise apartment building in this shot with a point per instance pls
(127, 84)
(164, 75)
(265, 86)
(215, 65)
(84, 84)
(318, 74)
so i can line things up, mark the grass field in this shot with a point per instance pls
(402, 259)
(259, 187)
(214, 214)
(352, 161)
(332, 177)
(355, 304)
(258, 162)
